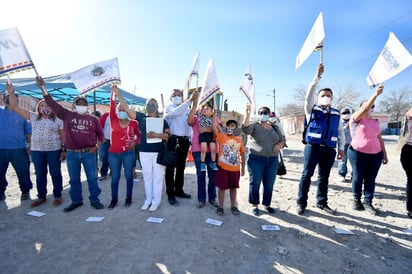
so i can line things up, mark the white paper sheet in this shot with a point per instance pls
(270, 227)
(154, 220)
(35, 213)
(213, 222)
(155, 125)
(94, 219)
(343, 231)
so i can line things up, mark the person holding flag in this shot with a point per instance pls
(323, 132)
(83, 134)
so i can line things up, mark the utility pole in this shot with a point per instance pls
(274, 99)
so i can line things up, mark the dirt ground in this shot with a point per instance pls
(124, 242)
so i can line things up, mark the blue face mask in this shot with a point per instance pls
(177, 100)
(263, 118)
(122, 115)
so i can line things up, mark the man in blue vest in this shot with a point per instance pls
(322, 134)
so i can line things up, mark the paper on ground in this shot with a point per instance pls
(213, 222)
(409, 231)
(94, 219)
(154, 220)
(270, 227)
(35, 213)
(343, 231)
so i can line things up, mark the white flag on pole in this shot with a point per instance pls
(314, 39)
(14, 56)
(210, 84)
(94, 76)
(193, 72)
(247, 86)
(393, 59)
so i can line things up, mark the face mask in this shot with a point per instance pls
(229, 130)
(177, 100)
(122, 115)
(272, 119)
(371, 111)
(324, 101)
(263, 118)
(345, 117)
(45, 110)
(81, 109)
(151, 108)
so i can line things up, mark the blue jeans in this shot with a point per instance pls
(320, 156)
(19, 159)
(343, 167)
(42, 160)
(74, 161)
(261, 169)
(116, 160)
(104, 157)
(201, 179)
(365, 169)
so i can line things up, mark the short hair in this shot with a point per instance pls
(178, 90)
(268, 109)
(228, 122)
(78, 98)
(325, 89)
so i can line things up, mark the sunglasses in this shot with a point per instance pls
(346, 112)
(263, 112)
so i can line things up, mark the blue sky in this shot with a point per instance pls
(156, 41)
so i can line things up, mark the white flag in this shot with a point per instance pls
(193, 72)
(314, 39)
(247, 86)
(393, 59)
(14, 56)
(210, 84)
(94, 76)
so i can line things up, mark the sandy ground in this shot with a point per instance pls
(124, 242)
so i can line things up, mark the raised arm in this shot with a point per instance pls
(13, 105)
(246, 120)
(130, 112)
(366, 106)
(311, 98)
(192, 112)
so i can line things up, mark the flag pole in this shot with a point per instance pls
(321, 56)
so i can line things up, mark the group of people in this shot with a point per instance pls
(57, 133)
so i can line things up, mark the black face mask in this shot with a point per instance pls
(151, 108)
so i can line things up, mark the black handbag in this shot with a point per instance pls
(281, 168)
(167, 155)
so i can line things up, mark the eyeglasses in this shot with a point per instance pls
(263, 112)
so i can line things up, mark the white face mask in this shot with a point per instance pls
(177, 100)
(81, 109)
(324, 101)
(345, 116)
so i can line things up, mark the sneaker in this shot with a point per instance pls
(341, 179)
(72, 207)
(202, 167)
(38, 202)
(213, 166)
(200, 205)
(2, 197)
(145, 206)
(357, 205)
(173, 201)
(327, 209)
(97, 205)
(112, 205)
(128, 202)
(183, 195)
(300, 210)
(153, 208)
(25, 196)
(270, 210)
(57, 201)
(370, 209)
(255, 211)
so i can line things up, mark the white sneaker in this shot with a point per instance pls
(153, 208)
(145, 206)
(342, 179)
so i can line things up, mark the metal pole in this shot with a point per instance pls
(274, 100)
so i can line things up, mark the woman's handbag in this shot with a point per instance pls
(281, 167)
(168, 155)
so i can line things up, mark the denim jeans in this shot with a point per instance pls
(42, 160)
(201, 179)
(104, 157)
(261, 170)
(116, 160)
(343, 165)
(406, 161)
(74, 162)
(365, 169)
(19, 159)
(320, 156)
